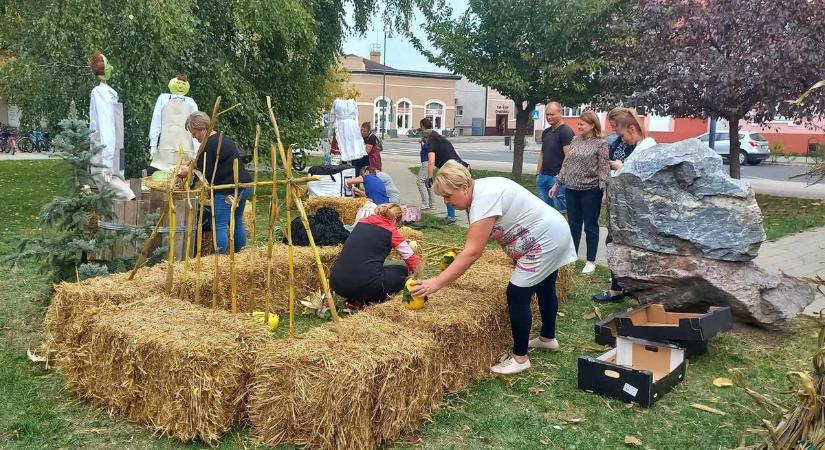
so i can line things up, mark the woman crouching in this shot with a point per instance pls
(535, 235)
(359, 273)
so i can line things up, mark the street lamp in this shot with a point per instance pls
(384, 103)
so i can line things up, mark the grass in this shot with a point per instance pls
(541, 408)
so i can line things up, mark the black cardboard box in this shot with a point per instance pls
(636, 370)
(691, 331)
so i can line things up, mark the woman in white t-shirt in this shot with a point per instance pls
(535, 235)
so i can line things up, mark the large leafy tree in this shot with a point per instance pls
(529, 51)
(735, 59)
(241, 50)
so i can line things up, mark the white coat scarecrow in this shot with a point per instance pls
(106, 125)
(168, 133)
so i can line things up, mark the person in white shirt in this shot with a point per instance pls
(531, 232)
(106, 126)
(167, 132)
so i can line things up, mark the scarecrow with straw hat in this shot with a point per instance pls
(167, 132)
(106, 124)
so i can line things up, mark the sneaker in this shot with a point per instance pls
(426, 208)
(605, 297)
(589, 267)
(449, 220)
(552, 344)
(510, 366)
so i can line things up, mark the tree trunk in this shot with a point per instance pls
(522, 120)
(733, 156)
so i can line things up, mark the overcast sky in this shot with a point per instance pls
(400, 53)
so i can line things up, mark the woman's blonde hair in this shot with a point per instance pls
(390, 211)
(198, 120)
(451, 177)
(627, 118)
(593, 119)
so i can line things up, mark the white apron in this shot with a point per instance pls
(173, 135)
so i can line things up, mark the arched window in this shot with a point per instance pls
(434, 109)
(403, 115)
(381, 116)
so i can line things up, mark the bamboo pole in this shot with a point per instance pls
(254, 184)
(320, 265)
(273, 216)
(145, 250)
(199, 245)
(170, 256)
(190, 218)
(215, 281)
(233, 280)
(267, 183)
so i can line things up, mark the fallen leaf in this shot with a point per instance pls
(557, 427)
(34, 358)
(589, 315)
(722, 382)
(415, 440)
(536, 390)
(633, 441)
(706, 408)
(560, 314)
(574, 421)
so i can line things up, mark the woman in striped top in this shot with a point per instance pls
(584, 175)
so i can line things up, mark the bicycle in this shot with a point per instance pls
(36, 141)
(8, 140)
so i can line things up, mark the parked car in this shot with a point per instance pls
(753, 147)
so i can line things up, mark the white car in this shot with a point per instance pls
(753, 147)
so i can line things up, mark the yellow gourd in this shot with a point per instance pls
(409, 301)
(274, 320)
(447, 259)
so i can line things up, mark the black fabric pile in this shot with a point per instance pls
(326, 226)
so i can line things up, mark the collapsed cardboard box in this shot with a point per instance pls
(636, 370)
(691, 331)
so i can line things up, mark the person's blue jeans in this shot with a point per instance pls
(543, 185)
(221, 209)
(450, 210)
(583, 208)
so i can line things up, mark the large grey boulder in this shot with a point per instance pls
(678, 199)
(688, 282)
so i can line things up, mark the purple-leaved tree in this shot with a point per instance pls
(734, 59)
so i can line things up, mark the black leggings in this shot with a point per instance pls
(521, 318)
(391, 281)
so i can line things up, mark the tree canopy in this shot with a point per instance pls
(241, 50)
(529, 51)
(735, 59)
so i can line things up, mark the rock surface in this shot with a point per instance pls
(678, 199)
(690, 282)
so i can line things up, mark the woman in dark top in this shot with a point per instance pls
(359, 273)
(198, 124)
(440, 151)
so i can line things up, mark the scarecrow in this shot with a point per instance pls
(106, 124)
(168, 132)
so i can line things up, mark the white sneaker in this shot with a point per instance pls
(589, 267)
(510, 366)
(426, 208)
(552, 344)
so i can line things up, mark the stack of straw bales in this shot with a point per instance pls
(182, 369)
(347, 207)
(374, 382)
(250, 270)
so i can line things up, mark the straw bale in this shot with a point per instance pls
(178, 368)
(496, 256)
(72, 302)
(410, 235)
(347, 207)
(250, 270)
(324, 392)
(471, 330)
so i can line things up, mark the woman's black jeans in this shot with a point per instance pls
(583, 208)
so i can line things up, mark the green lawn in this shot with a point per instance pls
(541, 408)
